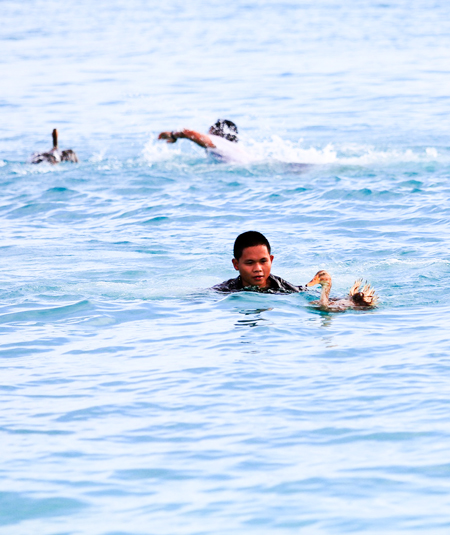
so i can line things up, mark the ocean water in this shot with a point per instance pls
(135, 400)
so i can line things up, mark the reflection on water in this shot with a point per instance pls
(323, 314)
(255, 318)
(324, 320)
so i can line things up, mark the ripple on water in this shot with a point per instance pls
(18, 507)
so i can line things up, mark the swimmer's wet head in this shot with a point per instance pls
(226, 129)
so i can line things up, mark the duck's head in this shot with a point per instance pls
(55, 138)
(321, 277)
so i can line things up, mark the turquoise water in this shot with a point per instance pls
(135, 400)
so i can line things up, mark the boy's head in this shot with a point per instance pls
(252, 259)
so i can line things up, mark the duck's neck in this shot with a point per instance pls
(55, 138)
(325, 294)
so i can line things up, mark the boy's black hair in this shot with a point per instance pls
(226, 129)
(249, 239)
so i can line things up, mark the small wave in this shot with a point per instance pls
(141, 290)
(32, 169)
(47, 314)
(156, 151)
(18, 507)
(348, 154)
(415, 262)
(366, 155)
(286, 151)
(277, 149)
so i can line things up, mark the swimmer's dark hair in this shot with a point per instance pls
(249, 239)
(226, 129)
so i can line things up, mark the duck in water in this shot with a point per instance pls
(55, 155)
(357, 298)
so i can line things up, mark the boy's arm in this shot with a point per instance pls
(200, 139)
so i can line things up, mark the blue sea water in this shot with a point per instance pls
(134, 400)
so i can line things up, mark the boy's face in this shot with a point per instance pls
(254, 266)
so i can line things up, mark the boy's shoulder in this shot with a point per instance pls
(283, 286)
(231, 285)
(277, 285)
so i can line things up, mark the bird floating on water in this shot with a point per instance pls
(357, 298)
(55, 155)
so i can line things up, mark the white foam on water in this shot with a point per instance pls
(277, 149)
(156, 151)
(287, 151)
(109, 165)
(349, 154)
(373, 156)
(33, 169)
(414, 262)
(98, 156)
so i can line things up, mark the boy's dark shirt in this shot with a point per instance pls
(277, 285)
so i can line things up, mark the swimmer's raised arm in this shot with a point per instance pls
(200, 139)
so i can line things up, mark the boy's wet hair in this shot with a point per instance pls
(226, 129)
(249, 239)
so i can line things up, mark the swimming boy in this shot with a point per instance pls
(253, 260)
(221, 140)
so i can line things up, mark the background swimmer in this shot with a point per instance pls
(220, 142)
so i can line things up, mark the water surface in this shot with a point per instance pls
(134, 399)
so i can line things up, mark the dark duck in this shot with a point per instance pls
(55, 155)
